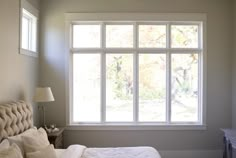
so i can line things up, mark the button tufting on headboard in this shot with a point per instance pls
(15, 118)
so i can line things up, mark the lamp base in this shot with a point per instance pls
(41, 107)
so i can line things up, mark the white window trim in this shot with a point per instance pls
(32, 10)
(178, 17)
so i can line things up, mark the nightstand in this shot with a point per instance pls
(56, 138)
(229, 150)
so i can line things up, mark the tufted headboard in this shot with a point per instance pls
(15, 118)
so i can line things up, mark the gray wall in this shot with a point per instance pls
(234, 71)
(18, 73)
(219, 53)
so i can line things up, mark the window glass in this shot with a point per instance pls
(184, 93)
(152, 87)
(119, 36)
(34, 36)
(25, 33)
(184, 36)
(152, 36)
(119, 87)
(86, 87)
(86, 36)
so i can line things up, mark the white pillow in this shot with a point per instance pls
(18, 138)
(12, 152)
(36, 141)
(46, 152)
(4, 144)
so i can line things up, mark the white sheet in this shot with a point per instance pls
(78, 151)
(73, 151)
(59, 152)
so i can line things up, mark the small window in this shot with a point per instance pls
(29, 18)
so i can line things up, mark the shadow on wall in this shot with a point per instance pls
(15, 93)
(22, 95)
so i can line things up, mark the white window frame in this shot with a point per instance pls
(31, 13)
(179, 18)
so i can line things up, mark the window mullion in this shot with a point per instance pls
(168, 87)
(200, 73)
(135, 85)
(200, 37)
(136, 76)
(168, 75)
(103, 75)
(200, 83)
(103, 87)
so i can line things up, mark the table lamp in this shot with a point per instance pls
(43, 94)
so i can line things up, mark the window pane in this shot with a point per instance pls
(119, 36)
(86, 87)
(28, 31)
(34, 35)
(152, 87)
(119, 87)
(152, 36)
(184, 36)
(184, 88)
(25, 33)
(86, 36)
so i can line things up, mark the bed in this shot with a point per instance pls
(24, 140)
(80, 151)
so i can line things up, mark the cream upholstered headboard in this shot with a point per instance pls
(15, 118)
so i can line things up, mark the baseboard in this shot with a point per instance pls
(191, 153)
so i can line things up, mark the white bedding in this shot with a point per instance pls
(79, 151)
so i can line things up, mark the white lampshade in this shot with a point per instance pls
(43, 94)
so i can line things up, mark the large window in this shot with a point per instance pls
(136, 72)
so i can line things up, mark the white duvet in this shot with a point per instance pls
(79, 151)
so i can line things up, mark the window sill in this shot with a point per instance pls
(136, 127)
(28, 53)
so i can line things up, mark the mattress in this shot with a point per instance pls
(122, 152)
